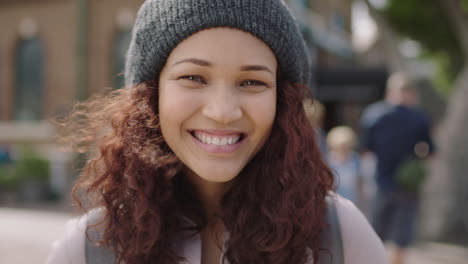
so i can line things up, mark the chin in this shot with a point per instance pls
(217, 175)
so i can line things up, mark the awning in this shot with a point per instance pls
(350, 84)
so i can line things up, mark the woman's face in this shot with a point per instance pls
(217, 101)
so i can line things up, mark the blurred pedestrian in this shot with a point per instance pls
(393, 130)
(207, 156)
(344, 162)
(315, 113)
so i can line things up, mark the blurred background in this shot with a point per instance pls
(57, 52)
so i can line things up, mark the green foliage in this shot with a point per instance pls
(7, 180)
(443, 77)
(464, 5)
(425, 21)
(31, 166)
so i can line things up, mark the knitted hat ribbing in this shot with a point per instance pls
(162, 24)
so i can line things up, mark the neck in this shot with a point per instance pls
(210, 194)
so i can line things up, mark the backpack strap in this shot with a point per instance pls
(96, 254)
(331, 241)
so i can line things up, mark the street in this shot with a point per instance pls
(26, 237)
(435, 253)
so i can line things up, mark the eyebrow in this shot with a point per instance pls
(205, 63)
(196, 61)
(256, 68)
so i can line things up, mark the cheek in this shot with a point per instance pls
(171, 112)
(263, 113)
(165, 108)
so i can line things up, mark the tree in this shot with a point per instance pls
(427, 22)
(441, 26)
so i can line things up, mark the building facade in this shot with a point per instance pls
(59, 51)
(54, 52)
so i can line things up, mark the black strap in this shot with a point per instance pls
(331, 241)
(96, 254)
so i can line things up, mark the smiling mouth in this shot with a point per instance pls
(218, 140)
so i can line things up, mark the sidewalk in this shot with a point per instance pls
(27, 234)
(437, 253)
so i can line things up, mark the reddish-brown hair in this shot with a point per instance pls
(274, 212)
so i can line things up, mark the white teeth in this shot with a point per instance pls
(218, 141)
(224, 141)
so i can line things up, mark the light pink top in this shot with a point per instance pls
(361, 244)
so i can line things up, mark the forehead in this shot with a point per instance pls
(224, 46)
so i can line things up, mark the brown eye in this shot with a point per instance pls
(253, 83)
(195, 78)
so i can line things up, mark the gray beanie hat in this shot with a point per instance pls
(162, 24)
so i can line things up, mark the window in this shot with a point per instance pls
(338, 21)
(124, 21)
(121, 42)
(28, 102)
(303, 3)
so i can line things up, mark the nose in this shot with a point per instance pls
(223, 106)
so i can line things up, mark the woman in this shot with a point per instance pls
(207, 156)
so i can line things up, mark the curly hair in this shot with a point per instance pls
(274, 211)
